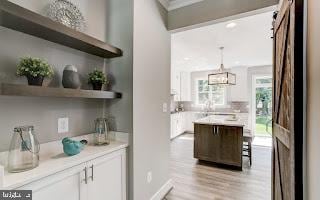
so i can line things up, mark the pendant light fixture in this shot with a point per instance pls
(222, 77)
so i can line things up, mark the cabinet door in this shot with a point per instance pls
(107, 177)
(231, 139)
(185, 91)
(175, 84)
(206, 143)
(66, 185)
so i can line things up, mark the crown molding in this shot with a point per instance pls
(175, 4)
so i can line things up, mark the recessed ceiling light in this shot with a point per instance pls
(237, 62)
(186, 58)
(231, 25)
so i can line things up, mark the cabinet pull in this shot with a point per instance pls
(86, 175)
(214, 130)
(91, 172)
(217, 130)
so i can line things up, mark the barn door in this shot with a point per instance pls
(288, 102)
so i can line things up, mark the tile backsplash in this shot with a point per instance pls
(242, 106)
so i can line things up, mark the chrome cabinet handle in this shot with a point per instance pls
(217, 130)
(91, 172)
(86, 175)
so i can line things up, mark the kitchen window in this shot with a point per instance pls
(214, 93)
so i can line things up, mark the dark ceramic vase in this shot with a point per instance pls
(71, 78)
(36, 81)
(97, 86)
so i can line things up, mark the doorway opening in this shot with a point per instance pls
(262, 110)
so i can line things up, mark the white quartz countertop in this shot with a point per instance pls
(53, 160)
(212, 120)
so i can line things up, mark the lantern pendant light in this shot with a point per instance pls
(222, 77)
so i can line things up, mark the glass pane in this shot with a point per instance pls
(263, 111)
(203, 98)
(264, 80)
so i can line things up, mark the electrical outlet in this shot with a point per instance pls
(63, 125)
(164, 107)
(149, 177)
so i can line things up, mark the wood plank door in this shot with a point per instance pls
(288, 66)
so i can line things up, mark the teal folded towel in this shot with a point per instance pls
(72, 147)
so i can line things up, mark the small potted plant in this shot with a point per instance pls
(35, 69)
(97, 79)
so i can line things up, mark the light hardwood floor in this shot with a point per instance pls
(194, 181)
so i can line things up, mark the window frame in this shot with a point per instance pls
(209, 92)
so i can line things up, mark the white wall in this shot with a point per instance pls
(313, 100)
(43, 113)
(151, 88)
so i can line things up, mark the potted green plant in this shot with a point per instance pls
(35, 69)
(97, 78)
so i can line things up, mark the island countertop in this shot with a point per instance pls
(212, 120)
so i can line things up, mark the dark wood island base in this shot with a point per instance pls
(219, 144)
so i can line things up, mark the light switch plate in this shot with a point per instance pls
(164, 107)
(63, 125)
(149, 177)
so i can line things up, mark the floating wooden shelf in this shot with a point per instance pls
(23, 20)
(38, 91)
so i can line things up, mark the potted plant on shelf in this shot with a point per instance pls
(35, 69)
(97, 79)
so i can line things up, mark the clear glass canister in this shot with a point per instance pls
(24, 150)
(101, 134)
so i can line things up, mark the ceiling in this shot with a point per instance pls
(246, 44)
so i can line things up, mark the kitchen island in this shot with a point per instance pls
(219, 141)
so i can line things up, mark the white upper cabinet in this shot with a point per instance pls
(185, 86)
(239, 92)
(175, 84)
(181, 85)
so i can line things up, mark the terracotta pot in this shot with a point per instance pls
(37, 81)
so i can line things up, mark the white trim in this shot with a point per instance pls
(165, 189)
(181, 3)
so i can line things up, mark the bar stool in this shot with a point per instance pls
(247, 145)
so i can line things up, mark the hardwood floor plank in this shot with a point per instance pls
(204, 181)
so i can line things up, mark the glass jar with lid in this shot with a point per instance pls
(24, 150)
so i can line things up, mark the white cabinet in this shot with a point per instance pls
(185, 86)
(181, 85)
(177, 124)
(99, 179)
(175, 84)
(239, 92)
(66, 185)
(106, 180)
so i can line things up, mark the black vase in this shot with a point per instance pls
(36, 81)
(97, 86)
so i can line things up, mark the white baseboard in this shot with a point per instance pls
(163, 191)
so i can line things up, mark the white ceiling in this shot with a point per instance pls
(247, 44)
